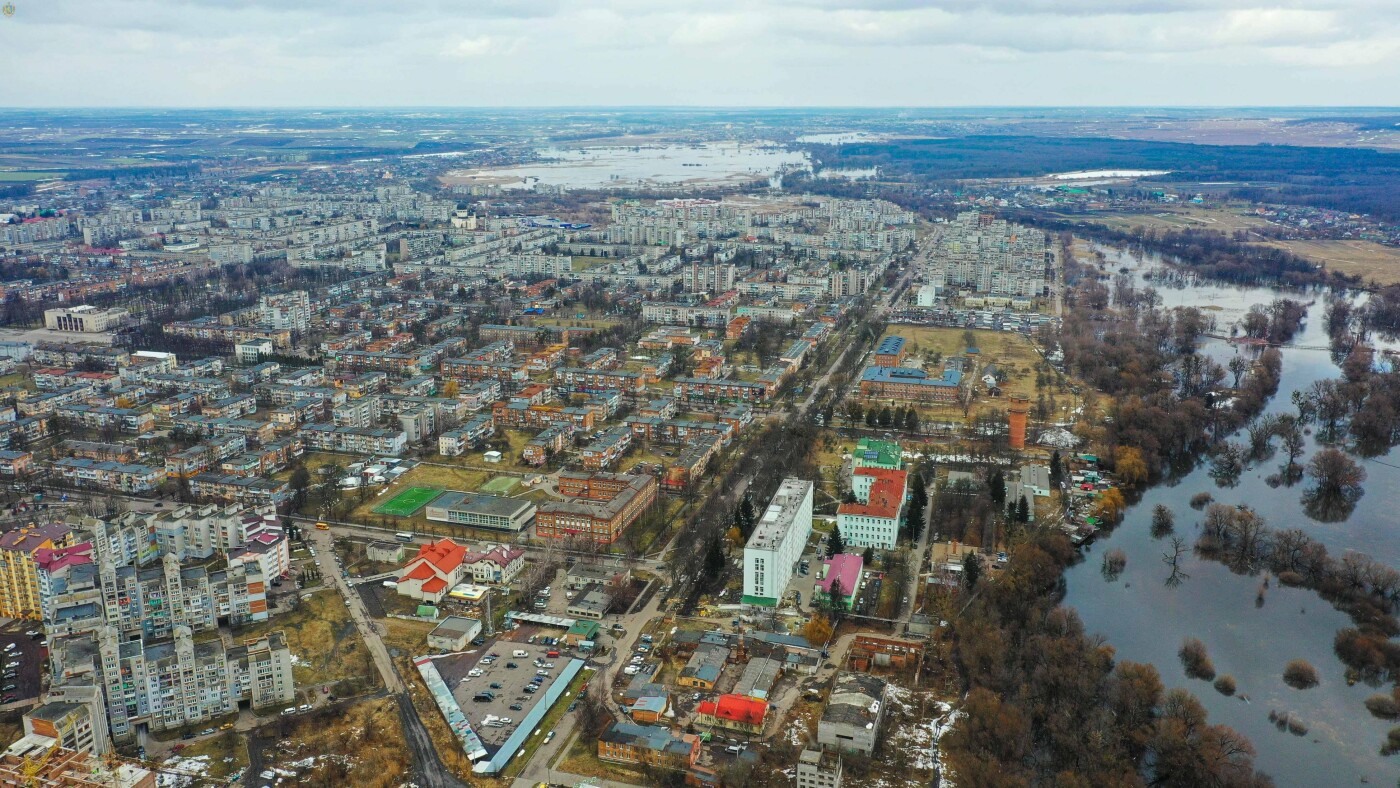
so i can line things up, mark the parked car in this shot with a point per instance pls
(516, 707)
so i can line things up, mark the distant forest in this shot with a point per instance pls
(1348, 179)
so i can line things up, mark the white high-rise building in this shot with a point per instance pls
(776, 544)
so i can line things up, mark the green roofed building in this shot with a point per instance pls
(871, 453)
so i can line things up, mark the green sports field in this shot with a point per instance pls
(501, 485)
(408, 502)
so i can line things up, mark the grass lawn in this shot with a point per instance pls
(408, 502)
(323, 641)
(20, 379)
(227, 753)
(551, 719)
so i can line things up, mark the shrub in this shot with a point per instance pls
(1392, 742)
(1201, 500)
(1385, 707)
(1195, 659)
(1225, 685)
(1299, 674)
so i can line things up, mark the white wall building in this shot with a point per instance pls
(777, 542)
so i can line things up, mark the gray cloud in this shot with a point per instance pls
(520, 52)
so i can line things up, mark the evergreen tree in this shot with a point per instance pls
(1057, 470)
(835, 545)
(911, 421)
(972, 570)
(1023, 510)
(871, 416)
(886, 417)
(996, 486)
(868, 557)
(714, 560)
(744, 516)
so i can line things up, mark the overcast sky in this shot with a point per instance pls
(699, 52)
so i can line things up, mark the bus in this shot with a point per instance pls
(404, 536)
(322, 527)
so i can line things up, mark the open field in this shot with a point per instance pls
(15, 176)
(1367, 259)
(226, 752)
(325, 647)
(1013, 354)
(360, 745)
(408, 502)
(1177, 217)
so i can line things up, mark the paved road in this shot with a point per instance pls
(428, 768)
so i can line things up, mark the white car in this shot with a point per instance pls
(474, 672)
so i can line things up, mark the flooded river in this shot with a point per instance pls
(1145, 619)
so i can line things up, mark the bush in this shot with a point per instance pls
(1385, 707)
(1225, 685)
(1195, 659)
(1299, 674)
(1392, 742)
(1201, 500)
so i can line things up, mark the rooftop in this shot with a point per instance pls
(773, 525)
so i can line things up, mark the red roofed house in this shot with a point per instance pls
(438, 567)
(873, 521)
(735, 712)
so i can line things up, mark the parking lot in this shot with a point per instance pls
(492, 664)
(25, 661)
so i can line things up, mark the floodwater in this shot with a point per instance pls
(1145, 619)
(646, 165)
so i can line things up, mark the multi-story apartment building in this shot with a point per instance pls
(114, 476)
(20, 590)
(776, 544)
(721, 390)
(670, 313)
(606, 450)
(247, 490)
(579, 379)
(356, 440)
(659, 430)
(472, 433)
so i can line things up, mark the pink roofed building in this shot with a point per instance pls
(844, 569)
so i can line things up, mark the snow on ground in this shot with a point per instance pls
(299, 662)
(191, 769)
(914, 736)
